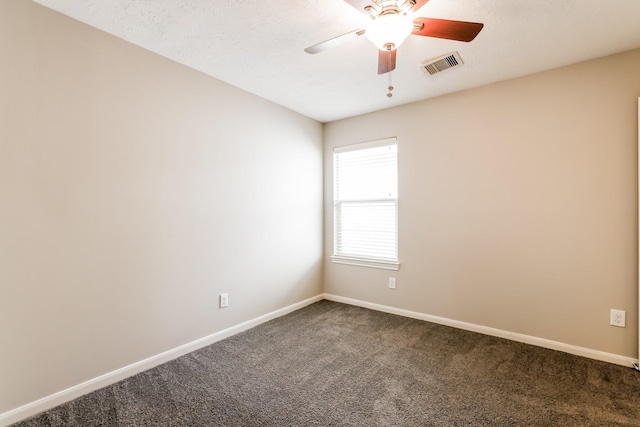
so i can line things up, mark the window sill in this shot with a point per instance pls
(366, 262)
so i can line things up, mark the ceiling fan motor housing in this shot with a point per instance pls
(384, 7)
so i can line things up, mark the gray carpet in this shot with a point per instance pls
(331, 364)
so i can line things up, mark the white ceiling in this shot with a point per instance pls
(257, 45)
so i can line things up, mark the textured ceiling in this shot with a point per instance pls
(259, 45)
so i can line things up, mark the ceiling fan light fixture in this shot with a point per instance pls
(388, 32)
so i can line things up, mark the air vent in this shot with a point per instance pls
(441, 63)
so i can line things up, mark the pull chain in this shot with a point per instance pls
(390, 88)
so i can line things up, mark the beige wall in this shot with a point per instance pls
(132, 192)
(517, 205)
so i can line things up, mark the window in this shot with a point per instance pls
(365, 204)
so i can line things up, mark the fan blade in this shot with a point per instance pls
(361, 5)
(445, 29)
(386, 61)
(419, 4)
(336, 41)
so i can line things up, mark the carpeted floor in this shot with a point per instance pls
(331, 364)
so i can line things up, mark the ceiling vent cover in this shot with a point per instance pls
(441, 63)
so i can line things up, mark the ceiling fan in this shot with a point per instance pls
(391, 24)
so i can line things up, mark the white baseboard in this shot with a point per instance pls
(71, 393)
(113, 377)
(527, 339)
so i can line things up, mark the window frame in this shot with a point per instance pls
(365, 261)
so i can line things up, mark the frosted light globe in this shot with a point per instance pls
(388, 32)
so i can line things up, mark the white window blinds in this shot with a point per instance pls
(366, 204)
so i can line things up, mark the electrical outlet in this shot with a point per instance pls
(224, 300)
(392, 282)
(618, 318)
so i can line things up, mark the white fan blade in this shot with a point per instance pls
(336, 41)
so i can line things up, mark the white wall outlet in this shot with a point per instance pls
(224, 300)
(392, 282)
(618, 318)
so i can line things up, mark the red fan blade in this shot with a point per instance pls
(386, 61)
(360, 5)
(419, 4)
(336, 41)
(445, 29)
